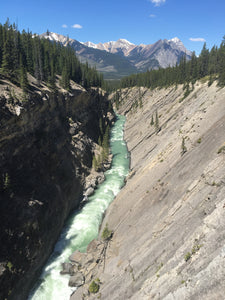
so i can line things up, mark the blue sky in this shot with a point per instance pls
(139, 21)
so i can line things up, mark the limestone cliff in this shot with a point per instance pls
(169, 219)
(47, 141)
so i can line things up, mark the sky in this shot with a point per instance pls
(139, 21)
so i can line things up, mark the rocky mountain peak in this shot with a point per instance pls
(177, 43)
(125, 57)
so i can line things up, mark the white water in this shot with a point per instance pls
(83, 226)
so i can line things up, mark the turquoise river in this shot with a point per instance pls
(83, 225)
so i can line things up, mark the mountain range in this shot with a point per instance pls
(116, 59)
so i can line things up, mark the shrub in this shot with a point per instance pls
(106, 233)
(10, 266)
(93, 287)
(221, 149)
(187, 256)
(183, 147)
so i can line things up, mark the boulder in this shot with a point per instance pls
(89, 191)
(100, 179)
(66, 267)
(77, 257)
(76, 280)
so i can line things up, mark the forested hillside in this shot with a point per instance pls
(24, 52)
(209, 63)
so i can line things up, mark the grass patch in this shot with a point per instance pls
(194, 250)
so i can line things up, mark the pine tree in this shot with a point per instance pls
(65, 81)
(204, 61)
(152, 121)
(157, 129)
(7, 59)
(23, 76)
(183, 147)
(221, 58)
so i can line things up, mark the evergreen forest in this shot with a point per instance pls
(208, 63)
(24, 52)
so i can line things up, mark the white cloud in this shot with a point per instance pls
(64, 26)
(77, 26)
(158, 2)
(152, 16)
(197, 39)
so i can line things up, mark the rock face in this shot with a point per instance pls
(169, 219)
(46, 150)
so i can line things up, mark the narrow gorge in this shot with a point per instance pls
(83, 226)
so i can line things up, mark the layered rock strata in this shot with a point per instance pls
(169, 219)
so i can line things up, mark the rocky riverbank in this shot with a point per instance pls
(169, 219)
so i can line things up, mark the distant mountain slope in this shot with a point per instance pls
(162, 54)
(111, 65)
(116, 59)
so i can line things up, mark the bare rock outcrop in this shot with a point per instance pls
(169, 219)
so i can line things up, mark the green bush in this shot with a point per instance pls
(93, 287)
(10, 266)
(106, 233)
(183, 147)
(187, 256)
(221, 149)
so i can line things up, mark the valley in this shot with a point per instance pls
(162, 237)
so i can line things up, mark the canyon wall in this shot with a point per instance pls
(169, 219)
(47, 143)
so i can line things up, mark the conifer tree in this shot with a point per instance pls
(183, 147)
(23, 76)
(221, 62)
(152, 121)
(65, 81)
(7, 59)
(157, 129)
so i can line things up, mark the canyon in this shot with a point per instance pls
(165, 227)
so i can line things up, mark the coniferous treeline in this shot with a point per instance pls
(24, 52)
(209, 63)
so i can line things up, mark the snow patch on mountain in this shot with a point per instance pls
(176, 43)
(52, 36)
(121, 45)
